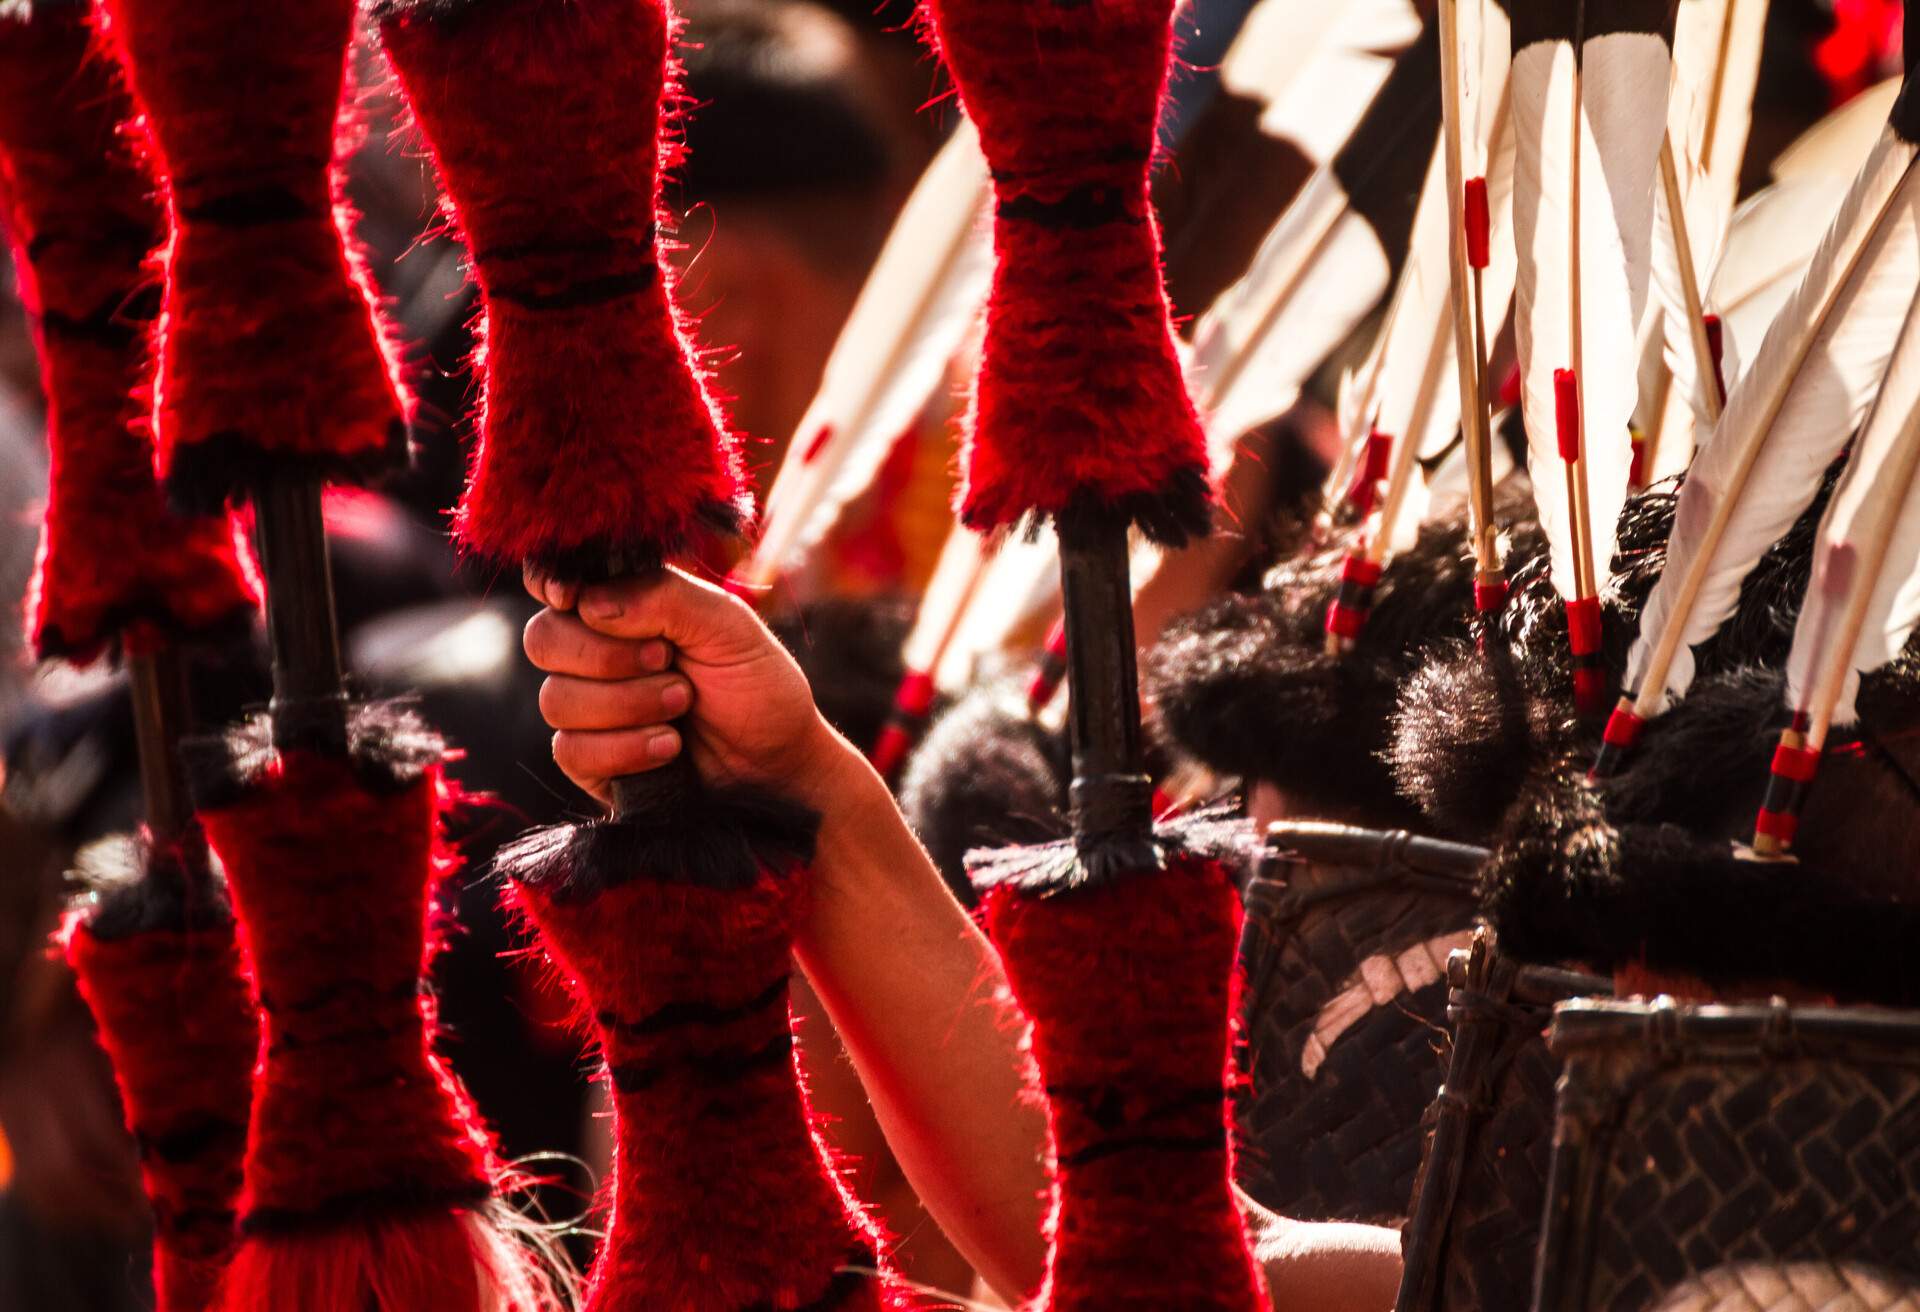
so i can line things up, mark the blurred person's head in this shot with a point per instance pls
(794, 173)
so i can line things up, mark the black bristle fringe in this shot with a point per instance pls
(720, 838)
(601, 560)
(389, 745)
(1174, 515)
(138, 889)
(1215, 833)
(206, 475)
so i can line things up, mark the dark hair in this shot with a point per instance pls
(771, 111)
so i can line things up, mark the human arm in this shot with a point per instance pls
(910, 983)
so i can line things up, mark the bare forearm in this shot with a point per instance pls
(914, 990)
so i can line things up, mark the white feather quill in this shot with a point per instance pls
(919, 303)
(1583, 224)
(1716, 55)
(1804, 394)
(1770, 241)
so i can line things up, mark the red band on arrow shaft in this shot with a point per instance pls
(1474, 217)
(1566, 413)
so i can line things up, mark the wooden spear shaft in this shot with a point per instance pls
(1469, 328)
(1695, 308)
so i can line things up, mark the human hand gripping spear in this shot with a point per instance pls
(156, 957)
(602, 456)
(1118, 943)
(269, 377)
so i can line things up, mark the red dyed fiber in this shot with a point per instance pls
(114, 561)
(1583, 626)
(721, 1198)
(1490, 598)
(1566, 413)
(890, 749)
(1373, 470)
(1052, 670)
(353, 1114)
(1080, 393)
(600, 440)
(1799, 764)
(1474, 217)
(269, 352)
(1781, 826)
(1716, 348)
(174, 1015)
(1623, 728)
(1130, 985)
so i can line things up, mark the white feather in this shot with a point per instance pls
(919, 303)
(1804, 394)
(956, 576)
(1019, 591)
(1774, 232)
(1716, 53)
(1838, 144)
(1313, 279)
(1770, 243)
(1874, 518)
(1314, 67)
(1624, 74)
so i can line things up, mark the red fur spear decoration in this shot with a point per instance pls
(1119, 944)
(114, 562)
(155, 956)
(601, 454)
(368, 1181)
(282, 369)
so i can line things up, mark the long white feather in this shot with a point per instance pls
(956, 578)
(919, 303)
(1314, 67)
(1313, 279)
(1623, 75)
(1776, 230)
(1805, 393)
(1716, 54)
(1018, 593)
(1873, 524)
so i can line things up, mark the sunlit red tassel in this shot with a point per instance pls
(602, 449)
(721, 1198)
(1131, 987)
(1080, 398)
(368, 1175)
(270, 356)
(78, 211)
(168, 993)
